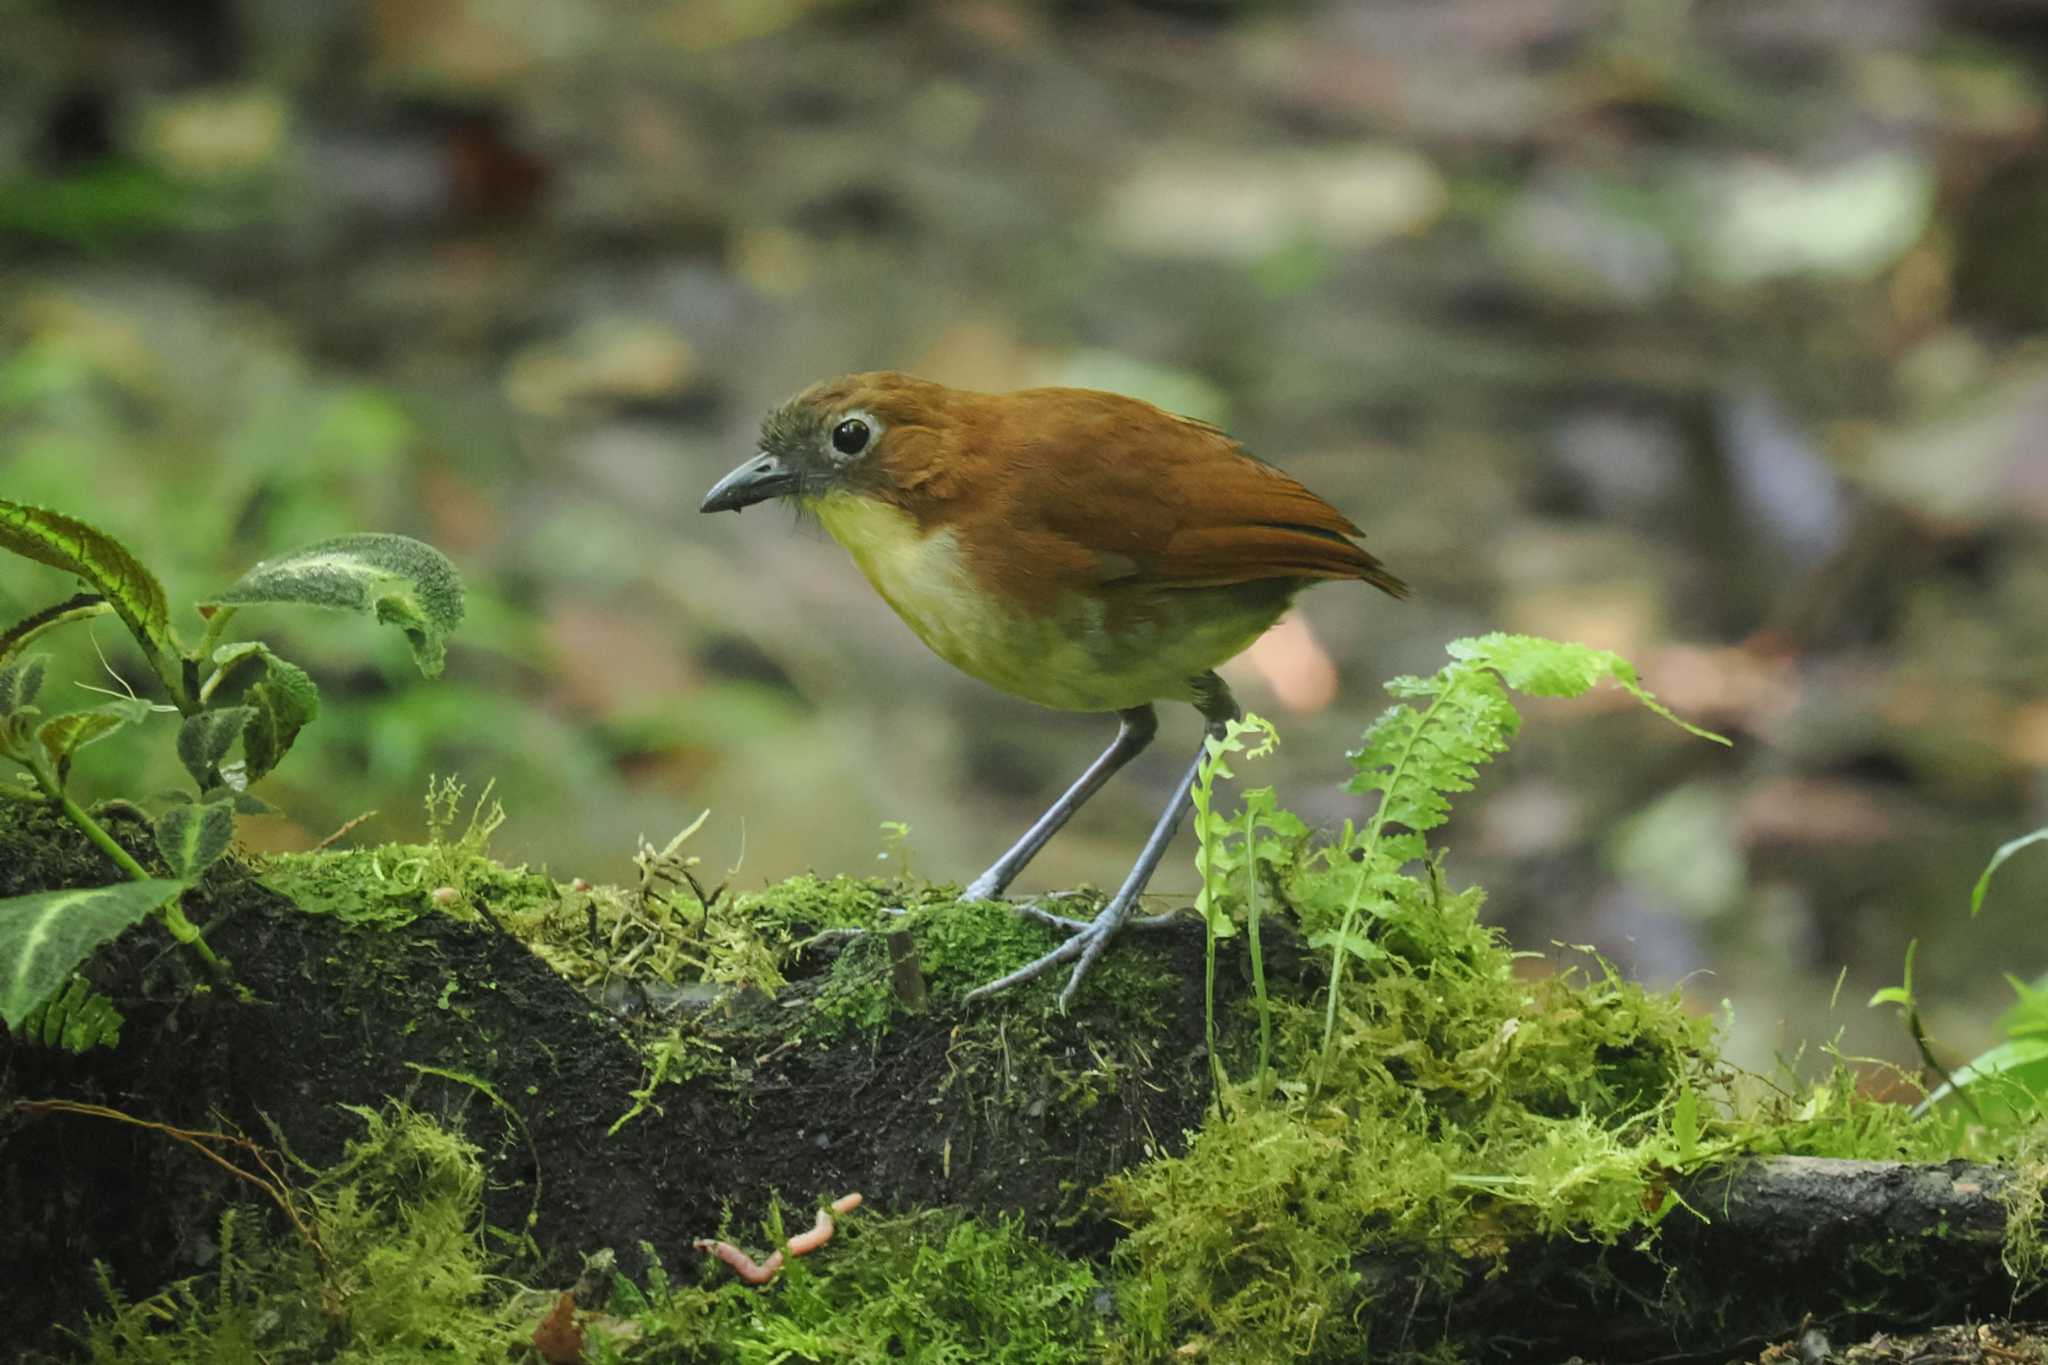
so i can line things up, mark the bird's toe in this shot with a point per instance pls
(1084, 944)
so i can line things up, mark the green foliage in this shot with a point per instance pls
(396, 579)
(205, 739)
(77, 1019)
(103, 563)
(396, 883)
(1441, 1100)
(1416, 759)
(191, 837)
(21, 682)
(251, 697)
(62, 736)
(392, 1271)
(1998, 859)
(1217, 858)
(2007, 1082)
(279, 696)
(47, 933)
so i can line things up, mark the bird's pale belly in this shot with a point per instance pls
(1068, 658)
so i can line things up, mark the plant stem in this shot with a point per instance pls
(172, 913)
(1368, 845)
(1209, 1014)
(1251, 901)
(215, 625)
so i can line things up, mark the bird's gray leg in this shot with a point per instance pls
(1218, 707)
(1134, 731)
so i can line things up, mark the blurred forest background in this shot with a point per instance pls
(1714, 333)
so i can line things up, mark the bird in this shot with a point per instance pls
(1076, 548)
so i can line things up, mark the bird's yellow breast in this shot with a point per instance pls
(1068, 658)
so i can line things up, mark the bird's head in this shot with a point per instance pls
(870, 435)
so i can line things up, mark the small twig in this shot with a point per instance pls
(341, 833)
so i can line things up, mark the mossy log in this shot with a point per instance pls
(1769, 1243)
(1010, 1109)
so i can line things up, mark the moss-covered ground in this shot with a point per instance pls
(476, 1076)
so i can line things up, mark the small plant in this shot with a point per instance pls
(1416, 757)
(1433, 1096)
(242, 707)
(2014, 1071)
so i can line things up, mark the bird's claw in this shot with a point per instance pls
(1086, 944)
(1085, 941)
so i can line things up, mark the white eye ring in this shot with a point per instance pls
(853, 435)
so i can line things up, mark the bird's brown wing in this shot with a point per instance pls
(1177, 504)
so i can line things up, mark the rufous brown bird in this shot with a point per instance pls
(1079, 549)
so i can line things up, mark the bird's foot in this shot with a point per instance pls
(1067, 924)
(1085, 943)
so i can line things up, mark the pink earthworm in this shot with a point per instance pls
(803, 1244)
(741, 1263)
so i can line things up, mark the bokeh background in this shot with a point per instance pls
(1715, 333)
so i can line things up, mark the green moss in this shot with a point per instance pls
(933, 1286)
(452, 872)
(959, 945)
(394, 1272)
(1464, 1106)
(393, 1269)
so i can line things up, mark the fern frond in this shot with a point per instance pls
(1418, 758)
(77, 1018)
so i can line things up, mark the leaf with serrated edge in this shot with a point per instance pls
(20, 681)
(280, 693)
(63, 736)
(204, 740)
(44, 936)
(283, 703)
(78, 607)
(103, 562)
(190, 838)
(398, 580)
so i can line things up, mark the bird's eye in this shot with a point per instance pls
(850, 437)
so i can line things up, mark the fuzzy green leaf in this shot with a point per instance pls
(20, 682)
(63, 736)
(78, 607)
(44, 936)
(192, 837)
(400, 581)
(204, 740)
(103, 562)
(280, 695)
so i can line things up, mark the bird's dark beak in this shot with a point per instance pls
(759, 479)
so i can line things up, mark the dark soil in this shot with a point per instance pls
(466, 1024)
